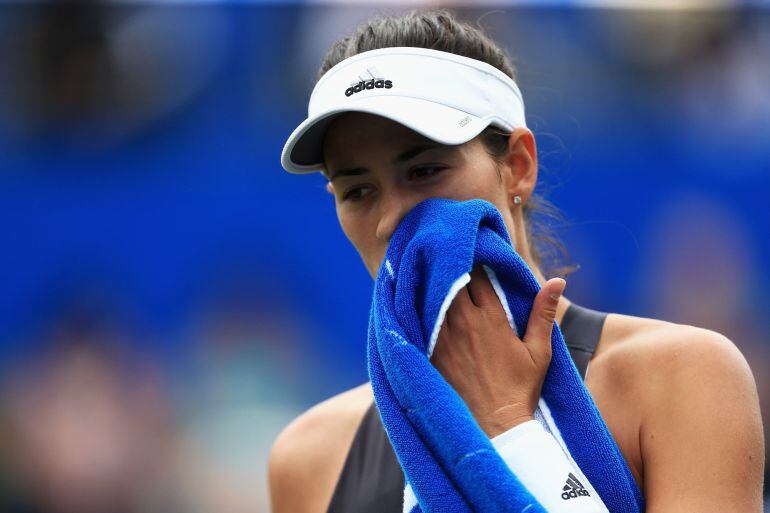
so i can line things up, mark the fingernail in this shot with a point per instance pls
(559, 289)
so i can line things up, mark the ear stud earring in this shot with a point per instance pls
(517, 200)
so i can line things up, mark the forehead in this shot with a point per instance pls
(356, 132)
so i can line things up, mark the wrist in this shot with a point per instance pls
(544, 468)
(504, 419)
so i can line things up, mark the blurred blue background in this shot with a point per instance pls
(170, 298)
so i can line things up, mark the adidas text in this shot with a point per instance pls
(368, 84)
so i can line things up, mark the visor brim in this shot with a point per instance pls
(303, 151)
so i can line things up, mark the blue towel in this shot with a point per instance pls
(447, 459)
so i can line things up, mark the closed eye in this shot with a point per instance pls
(426, 171)
(353, 194)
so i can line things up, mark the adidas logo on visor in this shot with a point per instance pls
(372, 81)
(574, 488)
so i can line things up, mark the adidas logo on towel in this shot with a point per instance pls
(574, 488)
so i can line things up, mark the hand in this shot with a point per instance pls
(498, 375)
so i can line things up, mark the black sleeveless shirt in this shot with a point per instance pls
(372, 479)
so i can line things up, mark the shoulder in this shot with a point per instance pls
(651, 360)
(667, 352)
(683, 367)
(696, 403)
(308, 454)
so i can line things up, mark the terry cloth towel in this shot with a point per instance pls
(449, 463)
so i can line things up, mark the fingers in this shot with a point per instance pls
(461, 303)
(480, 288)
(537, 339)
(478, 293)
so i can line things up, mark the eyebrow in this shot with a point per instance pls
(403, 157)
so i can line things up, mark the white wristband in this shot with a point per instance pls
(539, 462)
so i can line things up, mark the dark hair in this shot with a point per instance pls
(440, 30)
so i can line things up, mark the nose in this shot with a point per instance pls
(394, 205)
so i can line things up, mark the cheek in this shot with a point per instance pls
(360, 233)
(476, 182)
(356, 228)
(347, 224)
(483, 183)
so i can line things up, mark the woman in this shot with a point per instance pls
(680, 401)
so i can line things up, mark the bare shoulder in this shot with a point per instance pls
(308, 454)
(667, 350)
(643, 358)
(682, 362)
(690, 408)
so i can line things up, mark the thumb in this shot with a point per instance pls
(540, 324)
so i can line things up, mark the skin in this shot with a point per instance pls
(680, 401)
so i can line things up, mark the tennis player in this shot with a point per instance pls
(423, 105)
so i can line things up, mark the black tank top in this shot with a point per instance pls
(372, 479)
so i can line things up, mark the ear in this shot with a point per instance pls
(522, 164)
(330, 188)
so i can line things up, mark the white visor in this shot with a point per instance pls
(443, 96)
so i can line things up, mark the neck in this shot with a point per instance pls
(564, 303)
(561, 309)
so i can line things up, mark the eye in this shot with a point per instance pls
(353, 194)
(426, 171)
